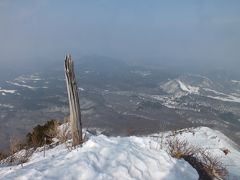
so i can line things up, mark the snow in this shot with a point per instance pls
(21, 82)
(81, 89)
(170, 87)
(179, 88)
(21, 85)
(53, 109)
(105, 158)
(215, 141)
(229, 99)
(142, 73)
(6, 106)
(188, 88)
(102, 157)
(25, 78)
(4, 91)
(235, 81)
(176, 89)
(224, 97)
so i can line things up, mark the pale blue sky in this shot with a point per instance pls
(184, 30)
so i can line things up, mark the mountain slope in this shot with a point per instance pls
(104, 157)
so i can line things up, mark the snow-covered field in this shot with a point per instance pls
(133, 157)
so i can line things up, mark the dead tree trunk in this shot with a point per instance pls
(74, 105)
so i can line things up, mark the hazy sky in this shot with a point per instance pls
(184, 30)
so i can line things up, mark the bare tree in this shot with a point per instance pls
(74, 105)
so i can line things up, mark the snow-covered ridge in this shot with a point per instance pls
(179, 88)
(200, 85)
(188, 88)
(102, 157)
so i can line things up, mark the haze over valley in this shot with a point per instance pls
(122, 98)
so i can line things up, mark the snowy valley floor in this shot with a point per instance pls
(125, 158)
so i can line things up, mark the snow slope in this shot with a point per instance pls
(188, 88)
(179, 88)
(215, 142)
(105, 158)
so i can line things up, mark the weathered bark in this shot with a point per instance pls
(74, 105)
